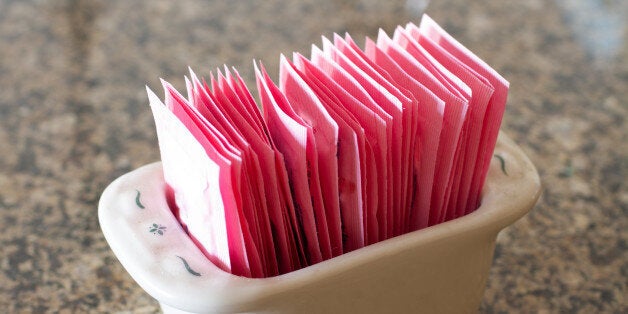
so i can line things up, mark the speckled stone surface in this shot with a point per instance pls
(74, 116)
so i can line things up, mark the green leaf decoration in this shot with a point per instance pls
(157, 229)
(502, 163)
(187, 267)
(137, 200)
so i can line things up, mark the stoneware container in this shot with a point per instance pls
(440, 269)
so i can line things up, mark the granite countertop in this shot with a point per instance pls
(74, 116)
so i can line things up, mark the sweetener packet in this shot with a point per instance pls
(380, 140)
(392, 106)
(482, 91)
(279, 207)
(429, 120)
(296, 143)
(226, 101)
(225, 85)
(348, 164)
(312, 112)
(406, 124)
(204, 185)
(237, 83)
(455, 86)
(495, 109)
(232, 143)
(453, 119)
(354, 114)
(410, 106)
(283, 218)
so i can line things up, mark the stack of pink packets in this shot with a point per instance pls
(352, 147)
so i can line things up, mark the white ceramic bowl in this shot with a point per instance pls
(440, 269)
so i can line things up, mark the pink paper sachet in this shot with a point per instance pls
(429, 120)
(453, 119)
(351, 147)
(402, 107)
(294, 139)
(381, 137)
(212, 209)
(482, 90)
(495, 109)
(368, 129)
(311, 110)
(348, 145)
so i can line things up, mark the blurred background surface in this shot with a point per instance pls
(74, 116)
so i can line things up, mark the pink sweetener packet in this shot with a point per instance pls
(348, 169)
(391, 106)
(482, 92)
(412, 116)
(227, 85)
(383, 147)
(242, 183)
(291, 138)
(429, 116)
(283, 216)
(453, 118)
(495, 109)
(455, 86)
(312, 112)
(203, 132)
(281, 211)
(229, 102)
(237, 83)
(355, 115)
(313, 174)
(201, 179)
(294, 232)
(219, 129)
(408, 124)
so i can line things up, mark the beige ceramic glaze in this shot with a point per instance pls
(440, 269)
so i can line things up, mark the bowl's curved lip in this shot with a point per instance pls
(171, 269)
